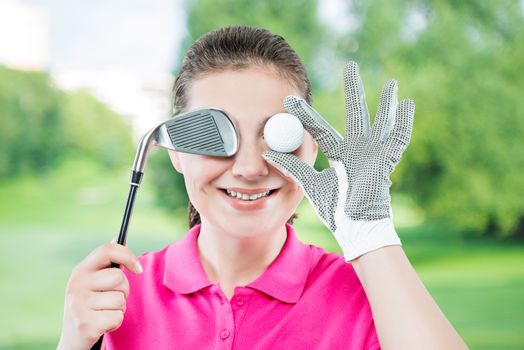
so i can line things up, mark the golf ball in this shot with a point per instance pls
(283, 132)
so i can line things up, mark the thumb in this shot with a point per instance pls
(291, 166)
(115, 240)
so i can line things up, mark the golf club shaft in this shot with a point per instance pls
(136, 177)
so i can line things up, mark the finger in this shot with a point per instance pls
(357, 115)
(107, 320)
(107, 301)
(103, 256)
(401, 133)
(327, 137)
(115, 240)
(385, 119)
(296, 169)
(109, 280)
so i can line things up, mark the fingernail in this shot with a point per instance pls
(138, 267)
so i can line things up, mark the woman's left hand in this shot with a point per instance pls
(352, 196)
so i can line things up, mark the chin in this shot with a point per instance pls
(250, 226)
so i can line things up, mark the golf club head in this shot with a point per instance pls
(207, 131)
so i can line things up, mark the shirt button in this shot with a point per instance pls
(224, 334)
(240, 301)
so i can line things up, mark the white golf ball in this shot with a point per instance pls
(283, 132)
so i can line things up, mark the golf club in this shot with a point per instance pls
(207, 131)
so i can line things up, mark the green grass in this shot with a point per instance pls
(48, 224)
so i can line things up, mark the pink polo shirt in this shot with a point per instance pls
(306, 299)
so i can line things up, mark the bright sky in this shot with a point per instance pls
(133, 35)
(136, 35)
(130, 35)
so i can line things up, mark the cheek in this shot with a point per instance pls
(291, 200)
(297, 193)
(200, 171)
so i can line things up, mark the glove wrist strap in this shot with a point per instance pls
(360, 237)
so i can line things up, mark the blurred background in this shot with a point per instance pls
(80, 82)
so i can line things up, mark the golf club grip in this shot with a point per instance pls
(98, 344)
(122, 238)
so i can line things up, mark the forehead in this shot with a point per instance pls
(247, 95)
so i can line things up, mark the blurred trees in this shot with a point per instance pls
(30, 122)
(40, 125)
(94, 130)
(461, 62)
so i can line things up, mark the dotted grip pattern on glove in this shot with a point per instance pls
(356, 185)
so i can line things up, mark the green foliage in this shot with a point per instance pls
(168, 184)
(465, 163)
(91, 128)
(30, 114)
(40, 124)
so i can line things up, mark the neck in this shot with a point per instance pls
(232, 260)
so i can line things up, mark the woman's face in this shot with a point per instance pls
(249, 96)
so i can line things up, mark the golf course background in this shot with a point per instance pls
(457, 192)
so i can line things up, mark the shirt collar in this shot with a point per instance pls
(284, 279)
(183, 271)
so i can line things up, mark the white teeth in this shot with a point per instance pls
(245, 196)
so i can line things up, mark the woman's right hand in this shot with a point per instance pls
(95, 298)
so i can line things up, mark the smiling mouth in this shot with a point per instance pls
(246, 196)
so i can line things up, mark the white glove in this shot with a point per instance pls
(352, 197)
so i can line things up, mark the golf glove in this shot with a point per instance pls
(352, 196)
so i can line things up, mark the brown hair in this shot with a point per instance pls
(237, 48)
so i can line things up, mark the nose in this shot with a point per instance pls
(248, 161)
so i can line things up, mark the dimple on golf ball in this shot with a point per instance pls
(283, 132)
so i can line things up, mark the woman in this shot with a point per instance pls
(240, 278)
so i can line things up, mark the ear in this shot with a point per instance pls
(175, 160)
